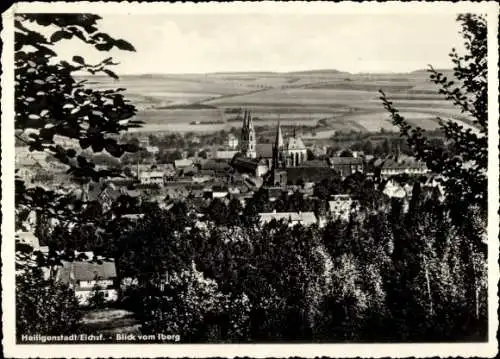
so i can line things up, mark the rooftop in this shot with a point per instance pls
(345, 160)
(295, 143)
(306, 218)
(183, 163)
(87, 271)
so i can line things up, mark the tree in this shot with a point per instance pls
(463, 164)
(218, 212)
(51, 102)
(57, 108)
(235, 210)
(97, 299)
(43, 306)
(367, 147)
(182, 302)
(346, 153)
(62, 116)
(386, 147)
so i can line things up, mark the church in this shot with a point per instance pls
(271, 161)
(290, 153)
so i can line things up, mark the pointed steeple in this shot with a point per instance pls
(249, 122)
(278, 143)
(244, 125)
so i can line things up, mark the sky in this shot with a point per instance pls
(204, 43)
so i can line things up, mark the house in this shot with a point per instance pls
(201, 178)
(151, 177)
(29, 239)
(341, 206)
(104, 193)
(252, 183)
(86, 277)
(222, 154)
(212, 167)
(274, 192)
(183, 163)
(346, 165)
(152, 149)
(25, 157)
(391, 166)
(219, 192)
(232, 142)
(252, 166)
(292, 218)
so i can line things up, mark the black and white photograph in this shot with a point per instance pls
(250, 176)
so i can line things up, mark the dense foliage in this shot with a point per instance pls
(44, 306)
(399, 269)
(57, 113)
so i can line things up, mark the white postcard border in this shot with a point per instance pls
(11, 349)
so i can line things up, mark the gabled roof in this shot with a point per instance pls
(243, 163)
(402, 164)
(315, 163)
(183, 163)
(346, 161)
(87, 271)
(215, 165)
(295, 143)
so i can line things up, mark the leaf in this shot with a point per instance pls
(84, 143)
(71, 153)
(97, 145)
(104, 46)
(110, 73)
(79, 59)
(130, 147)
(124, 45)
(59, 35)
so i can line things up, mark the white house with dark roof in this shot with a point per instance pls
(151, 177)
(84, 277)
(292, 218)
(183, 163)
(401, 165)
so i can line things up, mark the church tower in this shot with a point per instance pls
(248, 139)
(278, 148)
(278, 173)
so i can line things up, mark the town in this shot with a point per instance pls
(246, 207)
(301, 186)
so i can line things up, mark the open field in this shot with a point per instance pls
(342, 101)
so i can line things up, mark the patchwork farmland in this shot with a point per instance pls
(340, 101)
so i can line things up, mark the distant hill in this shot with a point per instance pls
(445, 71)
(318, 72)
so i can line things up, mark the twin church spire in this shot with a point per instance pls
(290, 154)
(248, 139)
